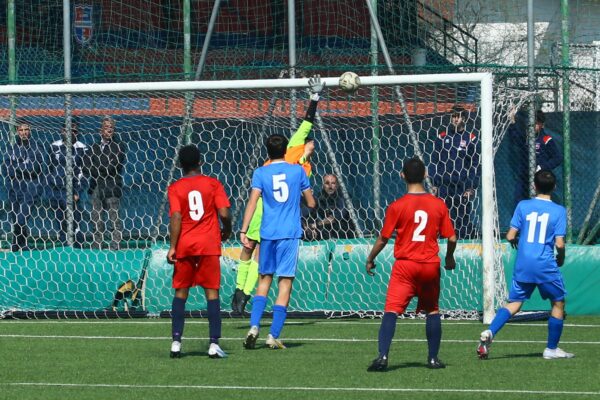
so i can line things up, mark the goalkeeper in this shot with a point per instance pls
(299, 151)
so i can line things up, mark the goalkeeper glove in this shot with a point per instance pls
(316, 87)
(514, 243)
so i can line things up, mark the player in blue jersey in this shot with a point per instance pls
(281, 186)
(541, 225)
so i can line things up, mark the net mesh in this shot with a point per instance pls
(116, 241)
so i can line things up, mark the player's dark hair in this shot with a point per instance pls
(276, 146)
(189, 158)
(544, 181)
(540, 117)
(414, 170)
(458, 110)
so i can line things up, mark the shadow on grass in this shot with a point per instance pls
(527, 355)
(411, 364)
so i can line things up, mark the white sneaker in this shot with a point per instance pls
(251, 338)
(175, 349)
(215, 351)
(274, 343)
(485, 341)
(550, 354)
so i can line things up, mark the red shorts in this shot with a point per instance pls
(193, 271)
(410, 279)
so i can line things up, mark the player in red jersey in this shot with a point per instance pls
(197, 203)
(418, 218)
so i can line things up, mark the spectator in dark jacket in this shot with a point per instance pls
(547, 155)
(57, 182)
(455, 171)
(22, 168)
(104, 168)
(329, 219)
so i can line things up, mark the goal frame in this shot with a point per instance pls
(483, 79)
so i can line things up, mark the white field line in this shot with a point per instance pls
(305, 389)
(307, 321)
(290, 339)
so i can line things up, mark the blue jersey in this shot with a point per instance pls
(281, 185)
(539, 222)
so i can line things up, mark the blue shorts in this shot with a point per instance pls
(521, 291)
(278, 257)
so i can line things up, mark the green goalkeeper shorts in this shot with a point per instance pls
(254, 227)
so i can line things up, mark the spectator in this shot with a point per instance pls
(330, 219)
(104, 168)
(454, 170)
(57, 182)
(22, 168)
(547, 155)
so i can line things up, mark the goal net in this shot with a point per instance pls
(78, 243)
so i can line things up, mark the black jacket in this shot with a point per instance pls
(104, 167)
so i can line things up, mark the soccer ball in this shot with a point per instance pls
(349, 82)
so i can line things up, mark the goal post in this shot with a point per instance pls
(228, 119)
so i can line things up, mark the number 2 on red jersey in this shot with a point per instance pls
(420, 219)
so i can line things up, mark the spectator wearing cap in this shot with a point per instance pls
(455, 171)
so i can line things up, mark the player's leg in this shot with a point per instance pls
(555, 291)
(251, 278)
(183, 278)
(519, 292)
(208, 275)
(280, 312)
(113, 204)
(428, 290)
(266, 268)
(247, 271)
(97, 220)
(286, 256)
(243, 267)
(399, 293)
(22, 211)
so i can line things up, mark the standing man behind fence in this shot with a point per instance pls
(22, 169)
(104, 167)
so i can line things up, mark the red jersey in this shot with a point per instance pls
(198, 198)
(418, 220)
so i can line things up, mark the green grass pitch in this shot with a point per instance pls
(325, 359)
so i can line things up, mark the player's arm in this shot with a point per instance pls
(174, 224)
(450, 262)
(225, 217)
(174, 231)
(379, 245)
(389, 226)
(250, 208)
(560, 250)
(511, 236)
(309, 198)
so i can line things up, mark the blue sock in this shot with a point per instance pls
(433, 331)
(258, 307)
(177, 318)
(501, 318)
(555, 328)
(214, 319)
(386, 333)
(279, 314)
